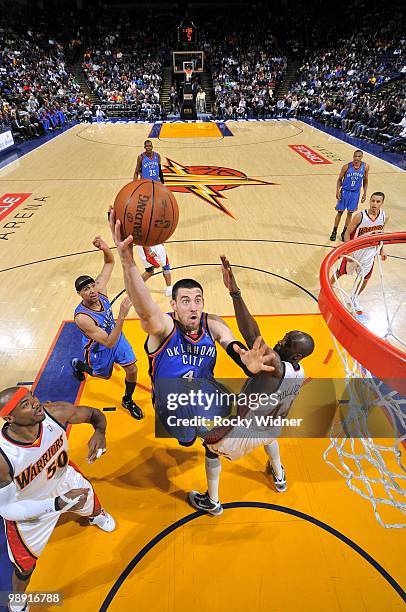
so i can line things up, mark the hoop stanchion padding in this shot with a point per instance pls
(378, 356)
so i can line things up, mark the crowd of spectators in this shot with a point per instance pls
(38, 94)
(123, 61)
(353, 81)
(245, 63)
(245, 79)
(359, 87)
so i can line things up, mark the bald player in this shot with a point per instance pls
(284, 382)
(37, 481)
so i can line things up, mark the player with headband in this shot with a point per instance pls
(37, 481)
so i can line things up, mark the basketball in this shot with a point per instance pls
(148, 211)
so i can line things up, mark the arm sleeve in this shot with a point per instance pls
(161, 174)
(231, 352)
(13, 510)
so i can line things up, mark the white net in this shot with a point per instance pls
(371, 463)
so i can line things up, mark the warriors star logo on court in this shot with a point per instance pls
(207, 182)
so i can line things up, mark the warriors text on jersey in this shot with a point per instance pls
(37, 468)
(150, 167)
(364, 257)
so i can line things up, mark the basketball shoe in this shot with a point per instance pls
(333, 235)
(280, 483)
(205, 503)
(16, 608)
(133, 409)
(356, 305)
(104, 521)
(77, 372)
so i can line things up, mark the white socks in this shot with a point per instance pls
(213, 469)
(272, 450)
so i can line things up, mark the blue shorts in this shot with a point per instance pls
(102, 361)
(348, 200)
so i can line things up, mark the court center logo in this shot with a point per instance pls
(206, 182)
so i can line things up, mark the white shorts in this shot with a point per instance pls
(234, 448)
(364, 258)
(155, 259)
(27, 539)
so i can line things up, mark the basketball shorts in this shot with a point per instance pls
(240, 442)
(195, 419)
(27, 539)
(102, 361)
(348, 200)
(365, 259)
(157, 259)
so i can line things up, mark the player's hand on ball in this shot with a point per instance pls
(256, 358)
(101, 244)
(82, 494)
(228, 276)
(123, 246)
(97, 446)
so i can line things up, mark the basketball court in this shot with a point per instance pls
(263, 194)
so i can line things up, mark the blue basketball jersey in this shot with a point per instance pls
(150, 167)
(181, 356)
(103, 318)
(353, 178)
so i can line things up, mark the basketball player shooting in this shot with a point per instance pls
(182, 343)
(37, 481)
(286, 379)
(103, 341)
(149, 164)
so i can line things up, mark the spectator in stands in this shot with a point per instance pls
(201, 100)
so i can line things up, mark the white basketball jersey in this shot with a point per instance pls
(368, 226)
(37, 468)
(288, 389)
(365, 227)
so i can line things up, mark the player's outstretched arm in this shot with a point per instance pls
(68, 414)
(153, 320)
(246, 323)
(105, 274)
(250, 361)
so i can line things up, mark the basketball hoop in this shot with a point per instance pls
(188, 72)
(376, 379)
